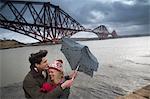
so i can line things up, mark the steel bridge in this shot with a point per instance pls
(42, 21)
(103, 33)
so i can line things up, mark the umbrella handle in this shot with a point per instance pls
(77, 68)
(76, 71)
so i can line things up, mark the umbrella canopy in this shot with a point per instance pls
(79, 55)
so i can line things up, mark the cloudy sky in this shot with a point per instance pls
(127, 17)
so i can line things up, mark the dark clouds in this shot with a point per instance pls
(135, 14)
(119, 15)
(127, 17)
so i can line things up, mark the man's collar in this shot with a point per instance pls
(35, 72)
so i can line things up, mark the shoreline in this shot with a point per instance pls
(18, 44)
(141, 93)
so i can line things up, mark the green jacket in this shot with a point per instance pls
(32, 84)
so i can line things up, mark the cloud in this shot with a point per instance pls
(117, 14)
(129, 14)
(125, 16)
(114, 12)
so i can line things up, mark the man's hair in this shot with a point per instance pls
(36, 58)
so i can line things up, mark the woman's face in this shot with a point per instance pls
(54, 74)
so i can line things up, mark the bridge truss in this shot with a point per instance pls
(43, 21)
(40, 20)
(103, 33)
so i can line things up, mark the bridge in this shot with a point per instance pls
(42, 21)
(102, 32)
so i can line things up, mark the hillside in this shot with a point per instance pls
(4, 44)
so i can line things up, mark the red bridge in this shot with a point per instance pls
(103, 33)
(42, 21)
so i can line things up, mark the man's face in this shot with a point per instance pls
(43, 65)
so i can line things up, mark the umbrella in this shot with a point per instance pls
(79, 56)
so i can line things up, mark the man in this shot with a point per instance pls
(35, 78)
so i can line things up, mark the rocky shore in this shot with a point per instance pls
(142, 93)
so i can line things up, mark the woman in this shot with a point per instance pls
(57, 77)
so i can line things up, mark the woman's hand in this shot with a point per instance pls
(73, 75)
(67, 84)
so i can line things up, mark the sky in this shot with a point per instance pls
(126, 17)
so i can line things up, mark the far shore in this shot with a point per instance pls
(8, 44)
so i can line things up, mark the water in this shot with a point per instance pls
(124, 67)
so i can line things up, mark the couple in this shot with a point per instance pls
(41, 82)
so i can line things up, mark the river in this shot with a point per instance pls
(124, 65)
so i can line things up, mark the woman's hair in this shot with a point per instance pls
(36, 58)
(60, 60)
